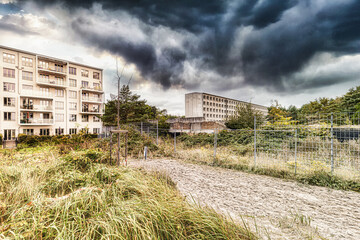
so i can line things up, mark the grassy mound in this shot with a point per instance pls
(48, 196)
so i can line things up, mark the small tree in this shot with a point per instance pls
(244, 117)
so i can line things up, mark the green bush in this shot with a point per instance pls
(1, 139)
(82, 160)
(35, 140)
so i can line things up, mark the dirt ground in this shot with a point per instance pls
(274, 208)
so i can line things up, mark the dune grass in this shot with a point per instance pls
(46, 195)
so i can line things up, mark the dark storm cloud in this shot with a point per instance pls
(285, 35)
(163, 68)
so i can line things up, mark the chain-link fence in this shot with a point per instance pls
(328, 142)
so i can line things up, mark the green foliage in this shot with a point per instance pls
(1, 139)
(325, 179)
(244, 117)
(132, 109)
(35, 140)
(82, 160)
(224, 138)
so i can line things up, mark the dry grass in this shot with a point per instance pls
(46, 196)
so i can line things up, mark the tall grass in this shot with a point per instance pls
(48, 196)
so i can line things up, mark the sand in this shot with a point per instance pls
(272, 207)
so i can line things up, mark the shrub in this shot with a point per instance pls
(82, 160)
(1, 139)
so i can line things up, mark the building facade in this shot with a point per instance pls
(42, 95)
(214, 108)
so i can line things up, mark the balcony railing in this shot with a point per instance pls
(91, 88)
(35, 93)
(84, 110)
(91, 99)
(53, 69)
(52, 81)
(36, 121)
(36, 107)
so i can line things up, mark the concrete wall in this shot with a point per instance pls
(193, 105)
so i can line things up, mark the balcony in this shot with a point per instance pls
(53, 70)
(91, 111)
(36, 108)
(93, 89)
(32, 121)
(91, 99)
(51, 82)
(36, 94)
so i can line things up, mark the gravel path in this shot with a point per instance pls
(281, 209)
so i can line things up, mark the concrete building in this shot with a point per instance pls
(42, 95)
(214, 108)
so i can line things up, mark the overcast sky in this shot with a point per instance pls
(290, 50)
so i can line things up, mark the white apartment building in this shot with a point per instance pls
(214, 108)
(42, 95)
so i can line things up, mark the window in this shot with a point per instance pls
(72, 131)
(72, 118)
(72, 106)
(28, 131)
(96, 130)
(10, 73)
(9, 116)
(72, 83)
(27, 62)
(85, 118)
(96, 75)
(43, 64)
(9, 87)
(59, 68)
(8, 58)
(45, 103)
(72, 70)
(27, 76)
(84, 84)
(59, 81)
(96, 119)
(59, 105)
(9, 102)
(9, 134)
(45, 91)
(96, 86)
(84, 73)
(44, 131)
(59, 131)
(72, 94)
(59, 117)
(59, 93)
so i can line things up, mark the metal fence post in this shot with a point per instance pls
(332, 144)
(174, 142)
(255, 141)
(157, 132)
(295, 150)
(111, 143)
(215, 143)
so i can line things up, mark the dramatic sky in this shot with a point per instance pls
(254, 50)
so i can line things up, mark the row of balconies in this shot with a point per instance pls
(36, 121)
(62, 83)
(43, 94)
(40, 108)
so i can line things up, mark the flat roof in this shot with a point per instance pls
(226, 98)
(46, 56)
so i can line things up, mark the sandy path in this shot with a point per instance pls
(273, 202)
